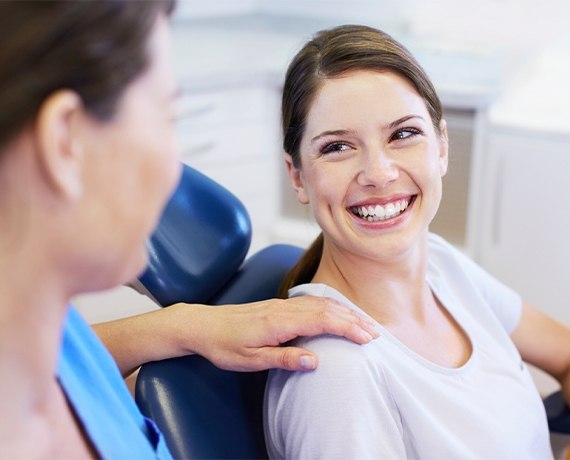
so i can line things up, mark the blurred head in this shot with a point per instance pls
(93, 47)
(87, 96)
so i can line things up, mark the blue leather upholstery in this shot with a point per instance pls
(202, 239)
(196, 257)
(206, 412)
(557, 413)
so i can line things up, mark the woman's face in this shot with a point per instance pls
(371, 163)
(132, 167)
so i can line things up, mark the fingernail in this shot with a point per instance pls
(366, 336)
(374, 332)
(308, 362)
(372, 328)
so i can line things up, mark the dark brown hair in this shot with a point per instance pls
(94, 47)
(332, 53)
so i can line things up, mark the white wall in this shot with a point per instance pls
(195, 9)
(506, 25)
(385, 14)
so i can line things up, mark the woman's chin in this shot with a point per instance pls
(140, 264)
(135, 268)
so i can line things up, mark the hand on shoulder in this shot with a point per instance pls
(250, 337)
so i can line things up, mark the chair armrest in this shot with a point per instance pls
(557, 413)
(204, 412)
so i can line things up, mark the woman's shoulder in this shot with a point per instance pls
(439, 245)
(343, 369)
(444, 256)
(342, 364)
(335, 350)
(331, 347)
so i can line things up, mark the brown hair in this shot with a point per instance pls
(332, 53)
(94, 47)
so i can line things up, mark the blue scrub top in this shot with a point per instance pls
(97, 392)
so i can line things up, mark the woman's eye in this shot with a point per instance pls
(405, 133)
(335, 147)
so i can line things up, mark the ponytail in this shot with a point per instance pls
(304, 270)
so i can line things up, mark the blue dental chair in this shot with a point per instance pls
(197, 255)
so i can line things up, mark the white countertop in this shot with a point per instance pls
(254, 48)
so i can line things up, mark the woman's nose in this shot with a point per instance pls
(377, 169)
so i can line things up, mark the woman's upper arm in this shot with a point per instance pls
(543, 341)
(340, 410)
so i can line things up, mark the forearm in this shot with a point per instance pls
(565, 387)
(237, 337)
(545, 343)
(151, 336)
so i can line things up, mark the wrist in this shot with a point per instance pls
(188, 332)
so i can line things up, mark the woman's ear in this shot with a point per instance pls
(296, 178)
(443, 147)
(58, 142)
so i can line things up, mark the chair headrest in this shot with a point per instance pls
(200, 242)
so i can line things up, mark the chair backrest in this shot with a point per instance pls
(201, 240)
(203, 411)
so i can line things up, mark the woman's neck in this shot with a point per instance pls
(35, 284)
(388, 290)
(395, 293)
(32, 312)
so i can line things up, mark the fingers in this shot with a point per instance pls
(260, 359)
(289, 358)
(361, 331)
(328, 316)
(248, 337)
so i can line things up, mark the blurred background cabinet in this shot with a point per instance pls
(524, 221)
(519, 220)
(230, 133)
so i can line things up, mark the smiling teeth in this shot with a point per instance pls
(378, 213)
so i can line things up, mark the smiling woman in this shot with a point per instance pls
(328, 58)
(366, 147)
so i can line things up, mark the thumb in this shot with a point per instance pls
(292, 359)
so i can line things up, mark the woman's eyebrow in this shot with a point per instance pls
(399, 121)
(335, 132)
(344, 132)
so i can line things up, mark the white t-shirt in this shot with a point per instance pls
(383, 400)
